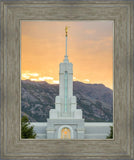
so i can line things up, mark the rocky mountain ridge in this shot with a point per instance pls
(95, 100)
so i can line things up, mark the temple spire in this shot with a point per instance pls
(66, 57)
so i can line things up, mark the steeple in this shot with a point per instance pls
(65, 115)
(65, 103)
(66, 57)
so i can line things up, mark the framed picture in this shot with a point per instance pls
(64, 140)
(56, 93)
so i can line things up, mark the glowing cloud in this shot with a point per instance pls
(25, 76)
(34, 74)
(56, 82)
(34, 79)
(45, 78)
(86, 80)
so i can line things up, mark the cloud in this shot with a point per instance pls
(45, 78)
(41, 79)
(28, 75)
(25, 76)
(34, 79)
(31, 76)
(86, 80)
(56, 82)
(34, 74)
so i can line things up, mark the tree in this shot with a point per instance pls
(110, 136)
(27, 130)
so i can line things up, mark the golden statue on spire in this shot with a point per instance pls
(66, 29)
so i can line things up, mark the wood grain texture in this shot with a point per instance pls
(12, 14)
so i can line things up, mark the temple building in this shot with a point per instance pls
(65, 121)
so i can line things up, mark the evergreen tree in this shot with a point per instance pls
(27, 130)
(110, 136)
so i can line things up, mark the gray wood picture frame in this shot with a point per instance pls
(12, 146)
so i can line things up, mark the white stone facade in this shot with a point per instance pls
(70, 112)
(65, 114)
(92, 130)
(66, 117)
(54, 127)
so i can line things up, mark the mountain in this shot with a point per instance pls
(95, 100)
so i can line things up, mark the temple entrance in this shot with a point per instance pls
(65, 133)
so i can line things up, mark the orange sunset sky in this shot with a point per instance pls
(90, 49)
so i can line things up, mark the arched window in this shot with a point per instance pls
(65, 133)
